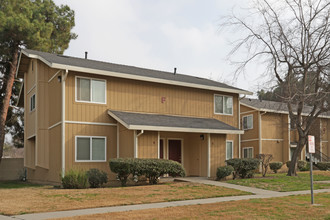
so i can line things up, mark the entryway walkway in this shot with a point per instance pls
(258, 194)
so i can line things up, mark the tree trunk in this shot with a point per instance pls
(294, 160)
(6, 99)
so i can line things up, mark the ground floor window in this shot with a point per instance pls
(229, 150)
(90, 149)
(248, 152)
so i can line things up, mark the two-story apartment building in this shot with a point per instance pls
(267, 130)
(80, 113)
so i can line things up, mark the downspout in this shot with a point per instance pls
(208, 155)
(63, 78)
(239, 126)
(136, 143)
(289, 136)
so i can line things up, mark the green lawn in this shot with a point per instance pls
(16, 185)
(282, 183)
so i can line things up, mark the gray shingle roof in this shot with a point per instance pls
(139, 121)
(137, 71)
(275, 106)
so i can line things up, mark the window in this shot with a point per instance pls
(223, 104)
(229, 150)
(32, 102)
(248, 152)
(90, 90)
(90, 149)
(247, 122)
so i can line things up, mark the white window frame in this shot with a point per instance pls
(90, 148)
(247, 148)
(232, 149)
(91, 90)
(34, 107)
(247, 116)
(232, 98)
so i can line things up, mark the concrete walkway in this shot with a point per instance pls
(258, 194)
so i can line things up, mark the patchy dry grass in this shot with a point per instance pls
(282, 183)
(291, 207)
(47, 199)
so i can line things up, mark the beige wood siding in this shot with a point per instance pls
(29, 153)
(30, 80)
(272, 126)
(139, 96)
(73, 130)
(126, 140)
(274, 148)
(148, 145)
(254, 132)
(30, 116)
(218, 152)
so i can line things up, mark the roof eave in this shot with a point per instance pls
(135, 77)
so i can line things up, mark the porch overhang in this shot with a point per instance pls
(157, 122)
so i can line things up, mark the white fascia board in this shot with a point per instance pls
(118, 119)
(176, 129)
(135, 77)
(180, 129)
(246, 105)
(18, 64)
(280, 112)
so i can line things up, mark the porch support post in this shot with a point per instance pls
(158, 140)
(117, 140)
(208, 155)
(135, 145)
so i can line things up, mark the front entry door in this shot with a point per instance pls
(174, 150)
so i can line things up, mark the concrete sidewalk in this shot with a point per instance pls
(259, 194)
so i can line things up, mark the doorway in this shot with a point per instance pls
(175, 150)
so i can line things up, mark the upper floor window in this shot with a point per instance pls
(247, 122)
(32, 102)
(90, 149)
(229, 150)
(223, 104)
(90, 90)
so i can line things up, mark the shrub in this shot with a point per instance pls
(75, 179)
(275, 166)
(122, 167)
(302, 165)
(151, 168)
(224, 171)
(323, 165)
(243, 167)
(96, 178)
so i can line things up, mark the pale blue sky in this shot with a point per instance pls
(160, 35)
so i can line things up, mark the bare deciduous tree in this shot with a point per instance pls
(292, 38)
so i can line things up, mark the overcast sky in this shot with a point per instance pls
(160, 35)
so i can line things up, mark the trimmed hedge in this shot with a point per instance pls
(75, 179)
(243, 167)
(302, 165)
(275, 166)
(151, 168)
(96, 178)
(323, 165)
(224, 171)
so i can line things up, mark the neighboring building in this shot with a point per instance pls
(80, 113)
(267, 130)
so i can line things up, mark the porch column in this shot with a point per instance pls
(135, 145)
(208, 155)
